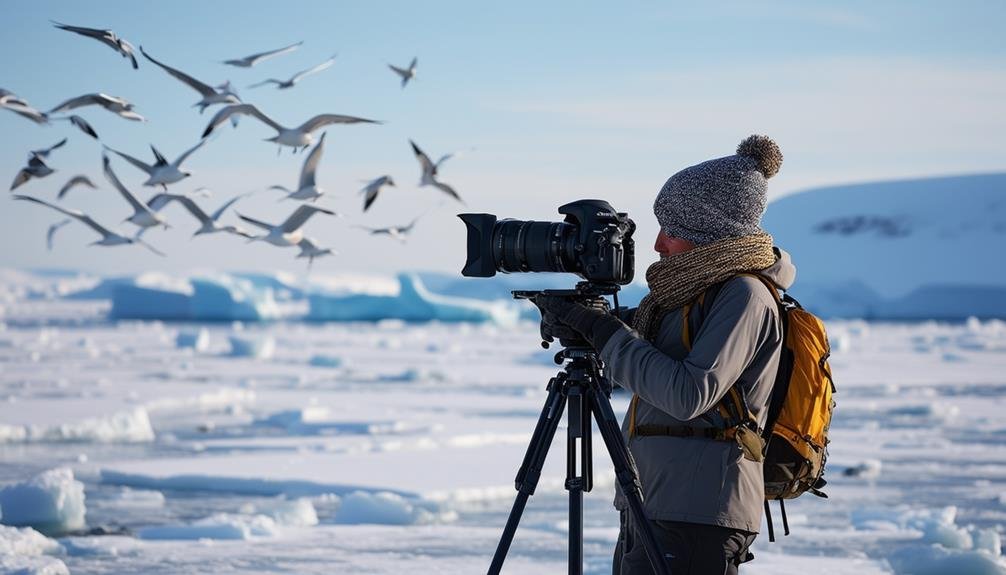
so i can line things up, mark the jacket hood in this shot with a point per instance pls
(782, 272)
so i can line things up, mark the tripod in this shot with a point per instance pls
(583, 392)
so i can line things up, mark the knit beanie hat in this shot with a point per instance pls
(721, 198)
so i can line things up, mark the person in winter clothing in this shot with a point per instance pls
(702, 497)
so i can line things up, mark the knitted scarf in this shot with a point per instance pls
(678, 279)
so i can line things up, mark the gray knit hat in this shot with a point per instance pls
(721, 198)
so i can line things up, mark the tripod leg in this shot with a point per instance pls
(625, 475)
(530, 470)
(577, 470)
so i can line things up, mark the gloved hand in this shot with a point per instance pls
(592, 323)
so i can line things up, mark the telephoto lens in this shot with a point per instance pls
(593, 241)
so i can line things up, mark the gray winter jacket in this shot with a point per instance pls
(695, 479)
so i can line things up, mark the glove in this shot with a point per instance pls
(593, 323)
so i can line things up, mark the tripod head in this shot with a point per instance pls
(588, 293)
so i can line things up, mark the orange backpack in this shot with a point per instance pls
(793, 446)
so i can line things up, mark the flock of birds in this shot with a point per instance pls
(163, 173)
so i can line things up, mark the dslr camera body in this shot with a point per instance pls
(593, 241)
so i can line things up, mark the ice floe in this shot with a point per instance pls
(52, 501)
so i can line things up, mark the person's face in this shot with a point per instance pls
(668, 246)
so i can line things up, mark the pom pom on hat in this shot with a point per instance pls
(764, 151)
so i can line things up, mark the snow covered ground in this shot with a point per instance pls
(149, 447)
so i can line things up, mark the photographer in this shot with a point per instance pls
(702, 496)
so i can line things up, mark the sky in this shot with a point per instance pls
(547, 102)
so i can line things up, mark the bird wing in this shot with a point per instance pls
(254, 222)
(324, 65)
(326, 119)
(307, 174)
(370, 197)
(400, 71)
(188, 153)
(220, 211)
(245, 109)
(301, 215)
(137, 239)
(77, 215)
(264, 82)
(424, 160)
(52, 232)
(448, 190)
(75, 181)
(83, 126)
(22, 176)
(26, 111)
(159, 159)
(104, 36)
(80, 101)
(110, 175)
(256, 58)
(128, 51)
(138, 163)
(44, 152)
(412, 65)
(204, 90)
(157, 202)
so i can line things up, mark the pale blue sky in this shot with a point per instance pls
(559, 101)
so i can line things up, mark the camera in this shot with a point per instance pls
(593, 241)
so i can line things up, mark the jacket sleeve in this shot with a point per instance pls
(738, 324)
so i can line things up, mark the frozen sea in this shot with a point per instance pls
(390, 447)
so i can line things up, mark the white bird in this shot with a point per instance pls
(430, 170)
(284, 84)
(106, 37)
(36, 168)
(372, 188)
(114, 104)
(51, 232)
(143, 216)
(299, 137)
(74, 182)
(161, 172)
(211, 96)
(208, 222)
(10, 101)
(406, 73)
(288, 233)
(310, 250)
(249, 61)
(108, 237)
(307, 189)
(400, 233)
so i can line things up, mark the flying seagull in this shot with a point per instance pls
(310, 250)
(36, 168)
(222, 95)
(249, 61)
(284, 84)
(113, 104)
(74, 182)
(372, 188)
(208, 222)
(430, 170)
(406, 73)
(288, 233)
(106, 37)
(10, 101)
(400, 233)
(161, 172)
(307, 189)
(108, 238)
(299, 137)
(51, 232)
(143, 215)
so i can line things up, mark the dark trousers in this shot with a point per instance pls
(690, 548)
